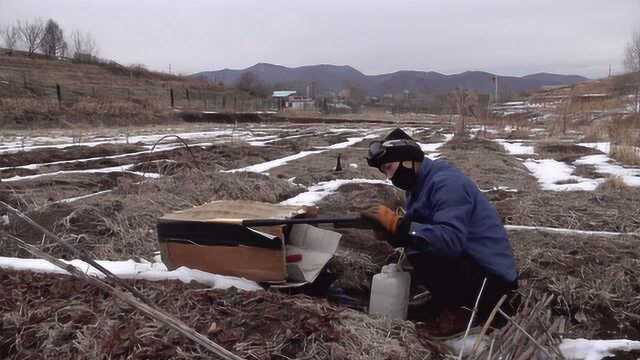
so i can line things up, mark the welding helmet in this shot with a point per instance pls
(397, 146)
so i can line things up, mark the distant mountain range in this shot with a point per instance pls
(335, 78)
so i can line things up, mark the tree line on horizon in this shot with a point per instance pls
(48, 38)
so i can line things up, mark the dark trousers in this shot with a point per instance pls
(456, 282)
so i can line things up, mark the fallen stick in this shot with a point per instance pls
(152, 312)
(487, 323)
(553, 230)
(81, 254)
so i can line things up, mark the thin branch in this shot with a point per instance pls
(473, 315)
(148, 309)
(79, 252)
(525, 332)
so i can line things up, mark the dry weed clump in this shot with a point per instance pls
(615, 184)
(595, 281)
(626, 154)
(596, 131)
(599, 210)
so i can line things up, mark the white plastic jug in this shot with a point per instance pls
(390, 293)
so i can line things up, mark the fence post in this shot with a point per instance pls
(224, 102)
(59, 93)
(188, 97)
(235, 103)
(172, 99)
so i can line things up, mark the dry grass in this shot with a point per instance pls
(35, 112)
(122, 225)
(626, 154)
(594, 280)
(597, 131)
(614, 184)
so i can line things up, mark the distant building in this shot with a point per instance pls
(288, 100)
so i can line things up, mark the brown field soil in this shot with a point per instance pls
(594, 280)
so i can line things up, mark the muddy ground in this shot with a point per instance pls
(594, 280)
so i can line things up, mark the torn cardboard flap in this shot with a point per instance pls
(317, 247)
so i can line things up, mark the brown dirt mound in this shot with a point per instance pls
(600, 210)
(563, 152)
(486, 163)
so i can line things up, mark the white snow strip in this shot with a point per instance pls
(350, 141)
(122, 168)
(435, 146)
(583, 349)
(516, 148)
(130, 269)
(500, 188)
(265, 166)
(70, 200)
(317, 192)
(549, 172)
(567, 231)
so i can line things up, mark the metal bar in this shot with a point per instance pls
(355, 221)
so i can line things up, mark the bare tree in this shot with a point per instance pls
(252, 84)
(632, 54)
(632, 65)
(31, 34)
(53, 43)
(83, 46)
(10, 37)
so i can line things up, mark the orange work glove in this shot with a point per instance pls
(384, 216)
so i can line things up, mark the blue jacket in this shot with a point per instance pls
(451, 217)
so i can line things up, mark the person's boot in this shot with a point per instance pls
(449, 323)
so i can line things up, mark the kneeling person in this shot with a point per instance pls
(452, 235)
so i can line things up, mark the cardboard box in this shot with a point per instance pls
(199, 238)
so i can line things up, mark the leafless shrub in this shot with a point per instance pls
(614, 183)
(32, 33)
(632, 54)
(84, 47)
(626, 154)
(10, 37)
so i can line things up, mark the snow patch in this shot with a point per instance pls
(550, 172)
(583, 349)
(631, 176)
(516, 148)
(317, 192)
(130, 269)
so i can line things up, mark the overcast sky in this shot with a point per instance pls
(507, 37)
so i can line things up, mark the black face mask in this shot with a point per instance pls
(404, 177)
